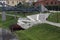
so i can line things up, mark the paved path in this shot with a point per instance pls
(32, 20)
(52, 23)
(11, 15)
(42, 17)
(36, 19)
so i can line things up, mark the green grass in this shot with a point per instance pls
(39, 32)
(9, 20)
(54, 17)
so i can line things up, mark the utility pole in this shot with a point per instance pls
(3, 12)
(57, 14)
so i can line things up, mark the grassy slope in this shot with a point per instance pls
(54, 17)
(10, 20)
(40, 32)
(37, 32)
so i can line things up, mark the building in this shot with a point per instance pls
(48, 2)
(15, 2)
(12, 2)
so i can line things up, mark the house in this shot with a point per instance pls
(12, 2)
(48, 2)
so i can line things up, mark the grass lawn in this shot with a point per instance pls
(54, 17)
(40, 32)
(9, 20)
(37, 32)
